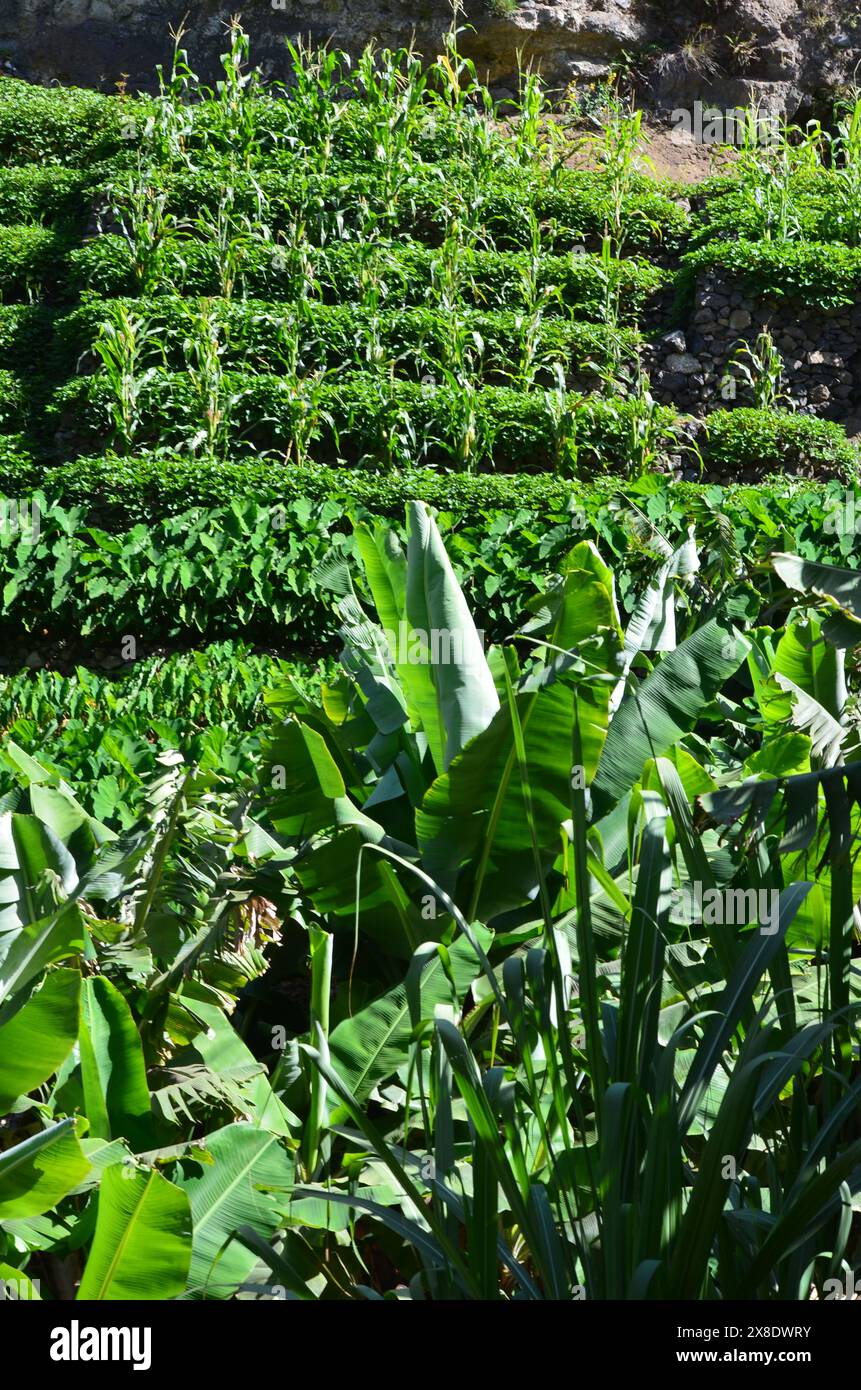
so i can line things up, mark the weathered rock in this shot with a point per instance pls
(674, 342)
(788, 63)
(683, 363)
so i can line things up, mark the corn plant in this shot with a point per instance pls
(845, 146)
(153, 233)
(621, 151)
(460, 101)
(563, 418)
(238, 92)
(760, 367)
(449, 272)
(536, 135)
(308, 413)
(646, 432)
(772, 158)
(168, 130)
(124, 341)
(535, 298)
(391, 86)
(232, 235)
(317, 76)
(203, 349)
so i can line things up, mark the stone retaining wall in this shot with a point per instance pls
(691, 366)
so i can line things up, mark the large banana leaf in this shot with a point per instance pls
(374, 1042)
(142, 1243)
(246, 1185)
(223, 1051)
(667, 704)
(53, 938)
(40, 1037)
(420, 604)
(470, 826)
(32, 862)
(113, 1072)
(839, 588)
(37, 1174)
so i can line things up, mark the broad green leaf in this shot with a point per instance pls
(40, 944)
(453, 691)
(38, 1173)
(247, 1185)
(668, 703)
(142, 1243)
(116, 1094)
(39, 1037)
(374, 1042)
(223, 1051)
(840, 588)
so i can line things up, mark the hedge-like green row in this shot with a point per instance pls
(819, 274)
(69, 125)
(569, 209)
(258, 334)
(257, 570)
(31, 258)
(368, 418)
(745, 442)
(66, 125)
(42, 194)
(35, 259)
(401, 273)
(818, 205)
(117, 492)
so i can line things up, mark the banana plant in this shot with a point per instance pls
(602, 1109)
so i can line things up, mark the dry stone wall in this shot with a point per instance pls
(691, 366)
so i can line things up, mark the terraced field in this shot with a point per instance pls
(429, 776)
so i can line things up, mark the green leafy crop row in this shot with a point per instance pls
(368, 418)
(258, 567)
(268, 337)
(498, 279)
(103, 733)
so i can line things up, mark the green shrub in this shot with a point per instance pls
(824, 276)
(325, 335)
(31, 193)
(14, 405)
(26, 333)
(370, 418)
(31, 258)
(104, 267)
(66, 125)
(751, 443)
(570, 208)
(251, 566)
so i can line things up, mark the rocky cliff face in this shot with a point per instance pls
(794, 54)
